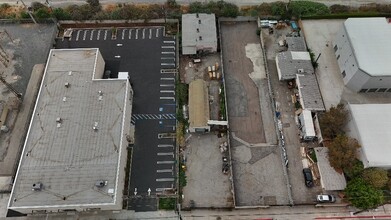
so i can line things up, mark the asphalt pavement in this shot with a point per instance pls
(149, 58)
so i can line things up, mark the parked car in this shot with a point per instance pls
(325, 198)
(309, 181)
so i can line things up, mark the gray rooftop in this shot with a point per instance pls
(67, 155)
(370, 40)
(330, 179)
(296, 44)
(195, 26)
(309, 92)
(291, 63)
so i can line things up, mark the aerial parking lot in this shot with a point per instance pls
(149, 58)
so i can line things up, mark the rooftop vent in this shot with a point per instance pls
(70, 73)
(37, 186)
(200, 37)
(197, 15)
(100, 183)
(300, 71)
(64, 99)
(198, 30)
(67, 85)
(100, 92)
(58, 120)
(199, 21)
(95, 126)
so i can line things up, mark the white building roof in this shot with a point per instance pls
(198, 32)
(373, 126)
(329, 178)
(308, 123)
(370, 41)
(62, 151)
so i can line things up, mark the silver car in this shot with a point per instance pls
(325, 198)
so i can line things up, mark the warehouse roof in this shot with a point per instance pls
(373, 125)
(309, 92)
(330, 179)
(291, 63)
(370, 41)
(75, 135)
(198, 104)
(198, 31)
(296, 44)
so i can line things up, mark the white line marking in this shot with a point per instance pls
(165, 180)
(123, 33)
(168, 91)
(165, 145)
(169, 42)
(167, 64)
(92, 34)
(85, 34)
(164, 171)
(157, 32)
(167, 85)
(144, 33)
(104, 38)
(167, 98)
(166, 52)
(165, 162)
(98, 34)
(130, 33)
(167, 79)
(162, 189)
(136, 34)
(150, 33)
(165, 154)
(77, 35)
(168, 47)
(167, 58)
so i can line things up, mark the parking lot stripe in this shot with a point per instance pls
(166, 154)
(167, 85)
(164, 171)
(150, 33)
(162, 189)
(165, 162)
(167, 98)
(104, 38)
(136, 34)
(157, 32)
(143, 33)
(168, 47)
(167, 52)
(169, 42)
(130, 33)
(77, 35)
(167, 79)
(165, 180)
(165, 145)
(85, 34)
(98, 35)
(168, 64)
(167, 58)
(123, 33)
(168, 91)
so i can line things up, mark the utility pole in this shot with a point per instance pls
(29, 12)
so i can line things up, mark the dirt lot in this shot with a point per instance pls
(206, 185)
(319, 37)
(257, 167)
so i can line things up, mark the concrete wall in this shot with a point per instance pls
(100, 66)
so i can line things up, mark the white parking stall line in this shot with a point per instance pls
(168, 64)
(168, 47)
(167, 52)
(104, 38)
(77, 35)
(165, 162)
(143, 33)
(165, 180)
(169, 42)
(123, 33)
(162, 189)
(166, 154)
(173, 79)
(157, 32)
(136, 34)
(167, 58)
(164, 171)
(168, 91)
(150, 33)
(98, 35)
(167, 98)
(167, 85)
(92, 34)
(165, 145)
(85, 34)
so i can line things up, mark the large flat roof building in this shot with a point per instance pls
(198, 33)
(75, 151)
(371, 126)
(362, 50)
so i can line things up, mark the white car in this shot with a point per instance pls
(325, 198)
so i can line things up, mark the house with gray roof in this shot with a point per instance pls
(198, 33)
(290, 63)
(296, 44)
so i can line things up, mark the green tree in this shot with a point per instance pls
(37, 5)
(354, 171)
(279, 9)
(333, 121)
(61, 14)
(363, 195)
(42, 13)
(307, 8)
(376, 177)
(342, 152)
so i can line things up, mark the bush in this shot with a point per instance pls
(167, 203)
(219, 8)
(355, 170)
(4, 6)
(279, 9)
(362, 195)
(36, 6)
(339, 9)
(60, 14)
(307, 8)
(42, 13)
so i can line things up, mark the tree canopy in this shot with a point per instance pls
(363, 195)
(342, 152)
(333, 121)
(376, 177)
